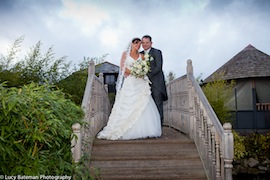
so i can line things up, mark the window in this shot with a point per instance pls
(110, 79)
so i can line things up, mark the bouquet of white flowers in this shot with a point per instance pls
(148, 57)
(140, 68)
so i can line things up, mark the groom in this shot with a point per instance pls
(156, 76)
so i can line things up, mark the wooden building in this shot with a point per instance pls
(250, 69)
(110, 72)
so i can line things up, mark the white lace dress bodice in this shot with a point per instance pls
(134, 114)
(129, 61)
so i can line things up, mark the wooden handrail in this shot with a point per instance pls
(189, 111)
(96, 106)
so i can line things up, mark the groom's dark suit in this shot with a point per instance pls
(156, 76)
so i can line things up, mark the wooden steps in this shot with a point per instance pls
(173, 156)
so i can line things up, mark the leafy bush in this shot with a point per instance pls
(36, 130)
(258, 146)
(74, 85)
(239, 146)
(253, 145)
(218, 93)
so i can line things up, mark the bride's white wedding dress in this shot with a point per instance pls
(134, 114)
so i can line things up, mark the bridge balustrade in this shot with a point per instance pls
(188, 111)
(96, 105)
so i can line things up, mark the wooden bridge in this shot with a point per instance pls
(194, 144)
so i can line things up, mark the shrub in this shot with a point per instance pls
(36, 130)
(239, 146)
(218, 93)
(253, 145)
(74, 85)
(258, 146)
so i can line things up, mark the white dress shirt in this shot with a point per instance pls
(147, 51)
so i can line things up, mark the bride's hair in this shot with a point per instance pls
(136, 40)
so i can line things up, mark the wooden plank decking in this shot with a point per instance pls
(173, 156)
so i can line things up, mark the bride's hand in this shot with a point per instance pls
(126, 75)
(127, 72)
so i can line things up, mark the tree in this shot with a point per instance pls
(5, 61)
(34, 67)
(86, 61)
(74, 85)
(218, 93)
(45, 69)
(170, 76)
(76, 82)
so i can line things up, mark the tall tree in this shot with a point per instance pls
(33, 67)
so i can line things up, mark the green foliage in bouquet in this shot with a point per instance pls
(140, 68)
(35, 130)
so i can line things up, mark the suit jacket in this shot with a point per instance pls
(156, 75)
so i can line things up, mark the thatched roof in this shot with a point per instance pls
(248, 63)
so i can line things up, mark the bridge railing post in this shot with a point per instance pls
(76, 142)
(87, 91)
(228, 149)
(191, 104)
(101, 77)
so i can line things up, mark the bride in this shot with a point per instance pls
(134, 114)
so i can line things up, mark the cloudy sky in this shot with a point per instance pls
(209, 32)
